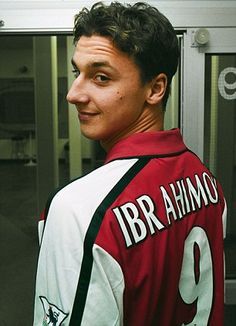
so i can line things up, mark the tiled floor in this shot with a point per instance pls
(19, 246)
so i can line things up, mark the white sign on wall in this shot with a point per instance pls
(227, 90)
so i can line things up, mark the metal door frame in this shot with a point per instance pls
(221, 41)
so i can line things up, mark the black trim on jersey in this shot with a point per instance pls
(93, 229)
(52, 195)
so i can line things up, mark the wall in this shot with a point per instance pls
(58, 15)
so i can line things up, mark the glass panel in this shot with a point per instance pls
(63, 143)
(220, 138)
(18, 170)
(18, 224)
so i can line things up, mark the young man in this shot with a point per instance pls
(139, 241)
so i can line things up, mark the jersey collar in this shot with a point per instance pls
(163, 143)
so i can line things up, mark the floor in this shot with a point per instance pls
(19, 245)
(18, 242)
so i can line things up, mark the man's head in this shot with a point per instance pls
(138, 30)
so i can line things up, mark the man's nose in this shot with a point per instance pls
(77, 93)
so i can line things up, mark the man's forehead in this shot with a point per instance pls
(93, 63)
(97, 51)
(96, 44)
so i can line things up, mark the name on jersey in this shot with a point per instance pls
(180, 198)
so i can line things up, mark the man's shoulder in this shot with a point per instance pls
(94, 186)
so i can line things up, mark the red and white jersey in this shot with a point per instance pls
(139, 241)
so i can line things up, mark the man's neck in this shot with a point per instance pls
(154, 122)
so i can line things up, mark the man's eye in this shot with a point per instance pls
(102, 78)
(76, 72)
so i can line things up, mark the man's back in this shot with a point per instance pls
(152, 240)
(169, 237)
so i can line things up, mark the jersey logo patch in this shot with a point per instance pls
(53, 316)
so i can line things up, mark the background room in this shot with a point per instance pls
(41, 147)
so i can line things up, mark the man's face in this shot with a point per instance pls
(107, 92)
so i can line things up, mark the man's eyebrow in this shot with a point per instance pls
(95, 64)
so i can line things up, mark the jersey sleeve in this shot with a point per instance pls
(59, 266)
(104, 303)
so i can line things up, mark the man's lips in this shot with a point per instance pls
(86, 115)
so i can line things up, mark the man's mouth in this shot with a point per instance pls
(86, 115)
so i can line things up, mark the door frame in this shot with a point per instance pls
(221, 41)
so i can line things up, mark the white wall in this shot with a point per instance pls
(58, 16)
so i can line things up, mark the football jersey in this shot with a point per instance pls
(138, 241)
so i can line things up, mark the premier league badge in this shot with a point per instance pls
(52, 314)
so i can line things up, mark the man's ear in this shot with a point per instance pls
(157, 89)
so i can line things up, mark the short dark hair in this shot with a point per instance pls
(139, 30)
